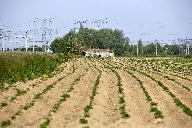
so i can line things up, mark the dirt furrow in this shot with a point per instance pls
(178, 79)
(6, 95)
(179, 91)
(137, 104)
(105, 106)
(71, 110)
(15, 106)
(172, 113)
(41, 108)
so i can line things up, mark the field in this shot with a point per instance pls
(104, 93)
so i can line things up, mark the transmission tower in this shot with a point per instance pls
(44, 28)
(100, 22)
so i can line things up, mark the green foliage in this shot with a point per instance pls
(154, 109)
(5, 123)
(158, 114)
(89, 106)
(65, 95)
(122, 109)
(3, 104)
(27, 66)
(28, 105)
(18, 93)
(45, 123)
(177, 101)
(83, 121)
(76, 42)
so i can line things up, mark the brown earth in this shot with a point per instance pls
(105, 112)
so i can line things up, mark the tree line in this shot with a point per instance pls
(85, 38)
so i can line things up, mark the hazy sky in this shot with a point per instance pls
(145, 19)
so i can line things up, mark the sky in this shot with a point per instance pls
(139, 19)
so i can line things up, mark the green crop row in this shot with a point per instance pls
(35, 97)
(157, 113)
(176, 100)
(87, 109)
(123, 112)
(57, 105)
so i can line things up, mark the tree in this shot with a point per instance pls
(76, 42)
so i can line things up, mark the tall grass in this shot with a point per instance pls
(27, 66)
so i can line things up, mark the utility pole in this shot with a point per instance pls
(2, 37)
(33, 46)
(3, 43)
(46, 31)
(100, 22)
(188, 49)
(133, 47)
(179, 47)
(26, 44)
(137, 48)
(156, 48)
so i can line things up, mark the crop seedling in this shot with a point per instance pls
(5, 123)
(83, 121)
(3, 104)
(45, 123)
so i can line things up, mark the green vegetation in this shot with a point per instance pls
(87, 109)
(177, 101)
(76, 42)
(185, 87)
(45, 123)
(19, 92)
(83, 121)
(175, 65)
(56, 106)
(5, 123)
(38, 96)
(157, 113)
(3, 104)
(27, 66)
(122, 109)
